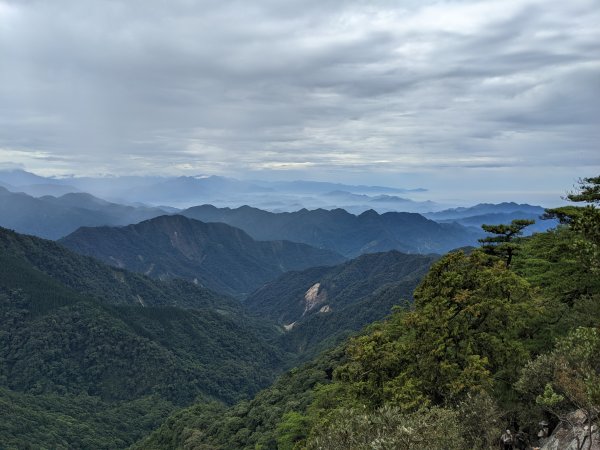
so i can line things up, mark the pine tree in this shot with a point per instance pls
(584, 220)
(589, 191)
(502, 244)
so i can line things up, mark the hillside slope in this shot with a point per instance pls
(218, 256)
(111, 285)
(484, 348)
(71, 361)
(320, 306)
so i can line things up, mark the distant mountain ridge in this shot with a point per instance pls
(185, 191)
(54, 217)
(215, 255)
(494, 214)
(340, 231)
(485, 208)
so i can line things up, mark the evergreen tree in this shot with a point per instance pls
(502, 244)
(585, 221)
(589, 191)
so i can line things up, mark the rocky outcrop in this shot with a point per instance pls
(313, 297)
(573, 434)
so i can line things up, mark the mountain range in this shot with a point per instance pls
(64, 204)
(494, 214)
(336, 230)
(215, 255)
(186, 191)
(342, 232)
(141, 311)
(54, 217)
(361, 394)
(87, 346)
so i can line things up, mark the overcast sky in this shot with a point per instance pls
(501, 98)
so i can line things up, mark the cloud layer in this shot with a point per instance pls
(323, 88)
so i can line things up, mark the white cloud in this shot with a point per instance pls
(326, 86)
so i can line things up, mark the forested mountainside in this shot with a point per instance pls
(84, 365)
(109, 284)
(504, 337)
(88, 346)
(320, 306)
(342, 232)
(215, 255)
(54, 217)
(274, 419)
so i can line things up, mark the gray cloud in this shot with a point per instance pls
(346, 89)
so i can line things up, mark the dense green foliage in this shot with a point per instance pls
(75, 422)
(486, 346)
(567, 377)
(467, 332)
(263, 422)
(346, 298)
(585, 221)
(501, 243)
(122, 367)
(214, 255)
(110, 285)
(588, 191)
(387, 427)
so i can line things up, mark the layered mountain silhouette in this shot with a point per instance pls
(342, 232)
(215, 255)
(185, 191)
(485, 208)
(494, 214)
(54, 217)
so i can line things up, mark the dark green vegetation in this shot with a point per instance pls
(485, 346)
(84, 365)
(214, 255)
(321, 306)
(54, 217)
(275, 414)
(343, 232)
(502, 243)
(93, 356)
(111, 285)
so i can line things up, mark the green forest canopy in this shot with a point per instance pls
(462, 359)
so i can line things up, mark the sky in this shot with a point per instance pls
(495, 100)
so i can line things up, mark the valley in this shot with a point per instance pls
(242, 328)
(299, 225)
